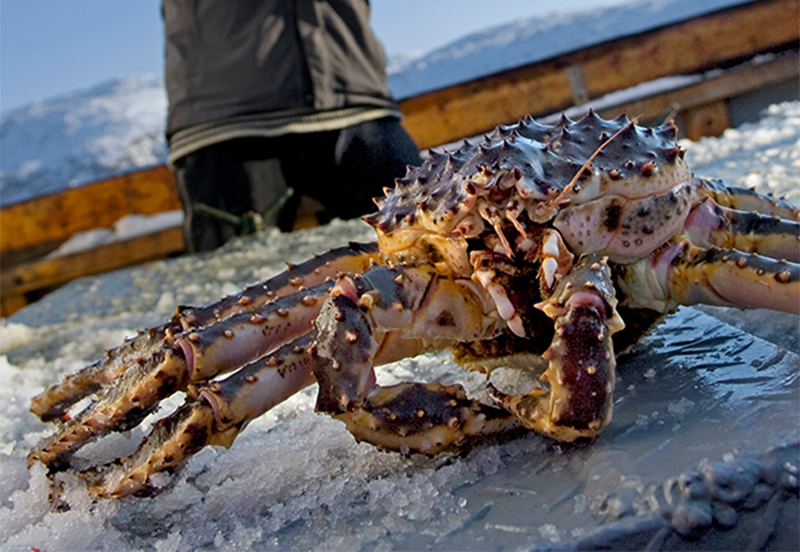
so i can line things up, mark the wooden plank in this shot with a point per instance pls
(17, 281)
(58, 216)
(709, 119)
(10, 305)
(731, 83)
(692, 46)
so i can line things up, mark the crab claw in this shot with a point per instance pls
(581, 365)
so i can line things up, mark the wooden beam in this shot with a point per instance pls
(709, 119)
(56, 217)
(728, 84)
(15, 282)
(692, 46)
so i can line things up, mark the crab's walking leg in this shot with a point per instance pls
(54, 402)
(385, 315)
(742, 199)
(684, 274)
(212, 415)
(710, 225)
(192, 357)
(581, 365)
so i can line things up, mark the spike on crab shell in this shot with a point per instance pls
(591, 116)
(621, 119)
(628, 131)
(668, 131)
(672, 154)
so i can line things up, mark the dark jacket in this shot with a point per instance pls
(235, 57)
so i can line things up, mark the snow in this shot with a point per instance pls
(128, 227)
(696, 388)
(82, 137)
(538, 38)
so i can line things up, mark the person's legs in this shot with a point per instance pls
(345, 169)
(369, 157)
(230, 177)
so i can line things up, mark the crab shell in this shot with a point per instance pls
(608, 187)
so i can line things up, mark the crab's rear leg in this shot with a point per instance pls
(386, 315)
(769, 226)
(581, 362)
(742, 199)
(56, 400)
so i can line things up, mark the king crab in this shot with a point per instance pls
(539, 243)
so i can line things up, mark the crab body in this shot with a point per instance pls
(531, 249)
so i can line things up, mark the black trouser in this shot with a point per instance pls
(342, 169)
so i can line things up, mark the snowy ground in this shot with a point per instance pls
(696, 389)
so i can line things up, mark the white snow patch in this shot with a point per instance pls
(14, 335)
(82, 137)
(126, 228)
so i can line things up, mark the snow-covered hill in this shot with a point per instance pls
(81, 137)
(538, 38)
(118, 126)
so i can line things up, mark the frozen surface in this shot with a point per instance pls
(697, 389)
(126, 228)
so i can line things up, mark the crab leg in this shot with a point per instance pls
(685, 274)
(743, 199)
(340, 354)
(212, 415)
(415, 305)
(54, 402)
(711, 225)
(581, 365)
(188, 358)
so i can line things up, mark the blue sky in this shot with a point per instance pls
(50, 47)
